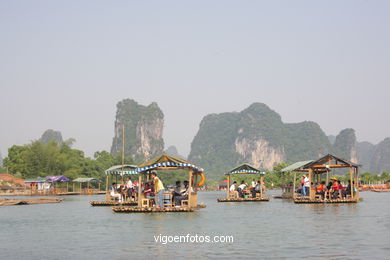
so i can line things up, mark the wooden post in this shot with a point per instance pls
(262, 186)
(351, 180)
(311, 195)
(189, 187)
(67, 187)
(123, 152)
(107, 192)
(357, 182)
(80, 188)
(98, 185)
(228, 186)
(140, 190)
(73, 187)
(295, 177)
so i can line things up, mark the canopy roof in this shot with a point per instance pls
(245, 169)
(165, 161)
(59, 178)
(85, 180)
(321, 165)
(117, 169)
(37, 180)
(298, 166)
(338, 162)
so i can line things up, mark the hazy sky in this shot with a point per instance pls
(65, 64)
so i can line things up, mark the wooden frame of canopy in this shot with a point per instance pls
(167, 162)
(324, 165)
(247, 170)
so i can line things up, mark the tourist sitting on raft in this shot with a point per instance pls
(114, 192)
(177, 190)
(241, 189)
(148, 190)
(159, 190)
(256, 189)
(183, 194)
(320, 190)
(233, 187)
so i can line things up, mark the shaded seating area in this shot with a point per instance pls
(147, 200)
(84, 186)
(116, 190)
(321, 183)
(242, 192)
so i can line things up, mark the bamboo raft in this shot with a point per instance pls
(122, 209)
(320, 201)
(380, 190)
(11, 202)
(112, 203)
(243, 199)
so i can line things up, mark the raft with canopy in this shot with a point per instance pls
(116, 172)
(324, 169)
(164, 162)
(244, 169)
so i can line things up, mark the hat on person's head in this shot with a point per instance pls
(334, 178)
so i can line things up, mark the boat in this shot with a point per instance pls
(162, 163)
(321, 170)
(234, 196)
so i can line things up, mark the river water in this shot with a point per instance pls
(278, 229)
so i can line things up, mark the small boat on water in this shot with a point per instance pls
(320, 170)
(11, 202)
(245, 194)
(117, 171)
(147, 204)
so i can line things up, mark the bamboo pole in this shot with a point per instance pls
(73, 187)
(123, 151)
(310, 180)
(228, 186)
(295, 177)
(351, 180)
(107, 192)
(189, 187)
(80, 188)
(139, 191)
(262, 186)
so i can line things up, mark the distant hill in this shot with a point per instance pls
(258, 136)
(172, 150)
(51, 135)
(143, 130)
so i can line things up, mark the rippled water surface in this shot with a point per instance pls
(277, 229)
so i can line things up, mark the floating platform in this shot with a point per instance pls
(112, 203)
(11, 202)
(244, 199)
(122, 209)
(380, 190)
(320, 201)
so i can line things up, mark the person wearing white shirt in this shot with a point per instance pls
(114, 193)
(306, 185)
(233, 187)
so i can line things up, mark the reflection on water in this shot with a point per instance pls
(277, 229)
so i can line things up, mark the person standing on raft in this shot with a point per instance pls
(158, 189)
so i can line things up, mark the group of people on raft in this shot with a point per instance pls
(153, 189)
(243, 189)
(334, 189)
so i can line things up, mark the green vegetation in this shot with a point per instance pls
(214, 146)
(39, 159)
(135, 118)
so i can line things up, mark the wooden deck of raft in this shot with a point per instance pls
(122, 209)
(243, 199)
(11, 202)
(319, 201)
(112, 203)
